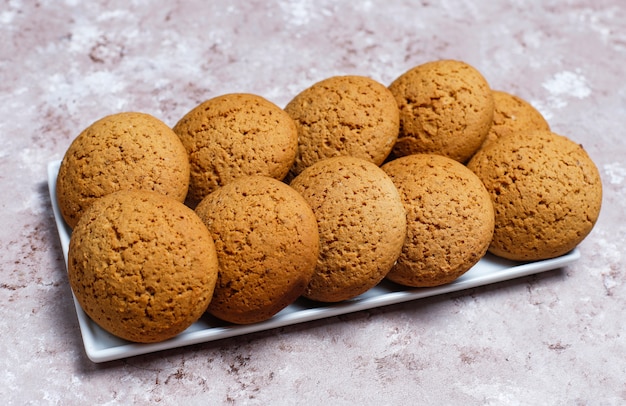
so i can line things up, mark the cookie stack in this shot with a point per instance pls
(242, 206)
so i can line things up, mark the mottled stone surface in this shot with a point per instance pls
(554, 338)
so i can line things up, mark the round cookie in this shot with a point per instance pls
(344, 115)
(236, 135)
(450, 219)
(446, 108)
(513, 114)
(361, 222)
(124, 151)
(142, 265)
(546, 193)
(267, 245)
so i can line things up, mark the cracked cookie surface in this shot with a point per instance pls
(344, 115)
(142, 265)
(546, 192)
(123, 151)
(236, 135)
(446, 108)
(450, 219)
(361, 222)
(511, 115)
(267, 244)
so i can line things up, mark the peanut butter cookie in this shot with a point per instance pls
(446, 108)
(344, 115)
(450, 219)
(512, 114)
(546, 193)
(361, 222)
(236, 135)
(142, 265)
(267, 244)
(124, 151)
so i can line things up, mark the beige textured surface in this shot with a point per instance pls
(236, 135)
(344, 115)
(554, 338)
(546, 193)
(450, 219)
(142, 265)
(361, 223)
(267, 244)
(122, 151)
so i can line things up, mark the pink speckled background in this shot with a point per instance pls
(554, 338)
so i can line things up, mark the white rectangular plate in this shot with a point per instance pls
(101, 346)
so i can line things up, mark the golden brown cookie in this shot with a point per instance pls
(236, 135)
(546, 193)
(344, 115)
(450, 219)
(124, 151)
(267, 244)
(512, 114)
(142, 265)
(361, 222)
(446, 108)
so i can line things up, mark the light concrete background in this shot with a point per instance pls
(556, 338)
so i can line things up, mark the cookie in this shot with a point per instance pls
(124, 151)
(344, 115)
(512, 114)
(450, 219)
(142, 265)
(267, 245)
(236, 135)
(361, 222)
(546, 193)
(446, 108)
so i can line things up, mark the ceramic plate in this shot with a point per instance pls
(101, 346)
